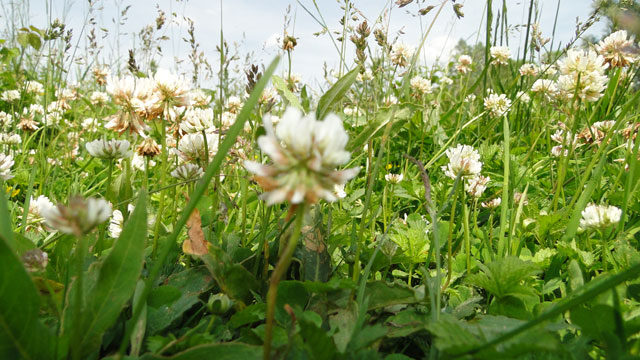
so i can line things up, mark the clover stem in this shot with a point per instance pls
(278, 272)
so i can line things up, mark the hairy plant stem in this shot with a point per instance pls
(450, 240)
(278, 272)
(465, 224)
(81, 249)
(163, 166)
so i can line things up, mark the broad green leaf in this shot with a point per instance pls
(284, 91)
(116, 278)
(335, 93)
(291, 293)
(22, 336)
(169, 302)
(506, 277)
(382, 294)
(316, 339)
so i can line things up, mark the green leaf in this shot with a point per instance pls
(374, 127)
(595, 321)
(284, 91)
(292, 293)
(5, 219)
(168, 303)
(319, 342)
(220, 351)
(163, 295)
(22, 336)
(34, 40)
(335, 93)
(505, 277)
(117, 276)
(382, 294)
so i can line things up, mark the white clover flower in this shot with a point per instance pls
(228, 118)
(33, 87)
(109, 149)
(557, 151)
(6, 162)
(545, 87)
(366, 76)
(115, 224)
(197, 120)
(338, 190)
(268, 96)
(599, 216)
(305, 153)
(80, 217)
(445, 80)
(187, 172)
(34, 109)
(393, 178)
(492, 204)
(137, 162)
(463, 160)
(192, 146)
(464, 64)
(582, 74)
(476, 185)
(10, 139)
(615, 49)
(528, 70)
(199, 98)
(604, 125)
(10, 95)
(350, 111)
(401, 54)
(523, 96)
(497, 105)
(564, 137)
(421, 85)
(234, 104)
(66, 94)
(500, 55)
(5, 119)
(90, 124)
(35, 221)
(98, 97)
(172, 88)
(122, 89)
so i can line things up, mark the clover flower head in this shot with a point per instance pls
(421, 85)
(401, 54)
(464, 160)
(599, 216)
(500, 55)
(305, 153)
(615, 49)
(109, 149)
(187, 172)
(497, 105)
(79, 217)
(6, 162)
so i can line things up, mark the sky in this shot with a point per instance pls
(255, 26)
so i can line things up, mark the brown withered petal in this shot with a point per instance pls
(149, 148)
